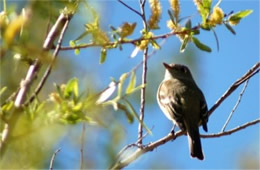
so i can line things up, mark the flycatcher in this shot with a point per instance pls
(183, 102)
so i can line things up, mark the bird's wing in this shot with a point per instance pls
(171, 105)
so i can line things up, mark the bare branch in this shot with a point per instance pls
(82, 141)
(234, 86)
(229, 132)
(53, 158)
(235, 107)
(144, 75)
(132, 9)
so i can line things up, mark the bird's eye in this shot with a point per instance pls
(183, 69)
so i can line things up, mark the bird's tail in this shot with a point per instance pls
(194, 143)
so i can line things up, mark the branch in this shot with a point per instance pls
(150, 147)
(235, 107)
(123, 41)
(144, 75)
(53, 158)
(132, 9)
(82, 143)
(229, 132)
(234, 86)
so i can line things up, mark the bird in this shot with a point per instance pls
(184, 104)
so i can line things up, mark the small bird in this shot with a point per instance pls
(183, 102)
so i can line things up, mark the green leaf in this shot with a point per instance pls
(229, 27)
(127, 29)
(204, 7)
(188, 24)
(103, 55)
(3, 90)
(77, 51)
(72, 43)
(200, 45)
(155, 44)
(71, 88)
(132, 110)
(6, 107)
(171, 17)
(138, 88)
(128, 113)
(82, 36)
(184, 44)
(120, 85)
(236, 17)
(132, 83)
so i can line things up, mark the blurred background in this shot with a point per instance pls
(214, 73)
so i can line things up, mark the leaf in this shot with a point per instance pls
(171, 17)
(216, 37)
(77, 51)
(120, 85)
(128, 114)
(106, 93)
(200, 45)
(155, 44)
(3, 90)
(132, 83)
(184, 44)
(239, 15)
(188, 24)
(229, 27)
(71, 88)
(103, 55)
(127, 29)
(84, 34)
(132, 110)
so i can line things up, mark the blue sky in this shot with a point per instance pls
(214, 73)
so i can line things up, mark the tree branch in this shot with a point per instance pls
(229, 132)
(144, 75)
(132, 9)
(235, 107)
(123, 41)
(234, 86)
(53, 158)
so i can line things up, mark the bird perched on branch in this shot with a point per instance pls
(183, 102)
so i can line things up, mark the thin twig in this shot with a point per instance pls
(82, 141)
(53, 158)
(123, 41)
(132, 9)
(141, 117)
(254, 70)
(235, 107)
(144, 75)
(229, 132)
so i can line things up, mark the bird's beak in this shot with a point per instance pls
(167, 66)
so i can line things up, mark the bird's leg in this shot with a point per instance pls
(172, 130)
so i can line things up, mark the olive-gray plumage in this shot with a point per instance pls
(183, 102)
